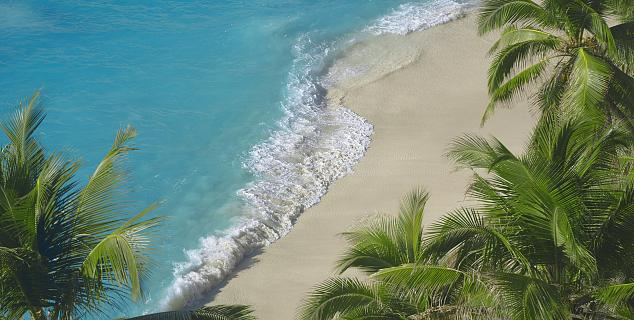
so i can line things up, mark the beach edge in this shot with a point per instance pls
(416, 109)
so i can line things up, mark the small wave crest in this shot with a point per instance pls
(412, 17)
(315, 145)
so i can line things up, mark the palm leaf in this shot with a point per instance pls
(431, 278)
(99, 202)
(516, 55)
(551, 93)
(372, 247)
(616, 294)
(23, 156)
(623, 10)
(624, 41)
(216, 312)
(475, 152)
(590, 77)
(505, 92)
(466, 228)
(513, 35)
(529, 298)
(340, 296)
(20, 129)
(411, 221)
(121, 255)
(387, 241)
(563, 235)
(495, 14)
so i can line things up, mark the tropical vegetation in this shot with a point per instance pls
(387, 246)
(550, 238)
(69, 250)
(552, 234)
(571, 56)
(216, 312)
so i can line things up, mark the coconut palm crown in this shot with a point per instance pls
(553, 232)
(551, 237)
(65, 250)
(71, 252)
(578, 53)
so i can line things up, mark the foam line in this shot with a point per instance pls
(315, 145)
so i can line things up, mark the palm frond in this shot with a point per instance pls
(337, 297)
(99, 202)
(411, 222)
(564, 236)
(529, 298)
(513, 35)
(387, 241)
(505, 92)
(431, 278)
(466, 229)
(122, 255)
(622, 10)
(216, 312)
(495, 14)
(590, 77)
(372, 247)
(23, 155)
(624, 40)
(616, 294)
(475, 152)
(551, 93)
(518, 54)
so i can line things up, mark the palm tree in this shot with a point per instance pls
(385, 249)
(67, 251)
(552, 238)
(568, 49)
(554, 232)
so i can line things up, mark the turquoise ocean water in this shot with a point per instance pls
(228, 100)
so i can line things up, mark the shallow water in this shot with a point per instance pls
(235, 135)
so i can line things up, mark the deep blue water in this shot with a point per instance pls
(202, 81)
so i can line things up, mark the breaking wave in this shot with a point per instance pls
(315, 145)
(412, 17)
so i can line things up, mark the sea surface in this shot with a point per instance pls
(236, 138)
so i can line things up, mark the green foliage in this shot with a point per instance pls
(388, 241)
(561, 214)
(567, 50)
(68, 251)
(552, 237)
(391, 251)
(217, 312)
(65, 250)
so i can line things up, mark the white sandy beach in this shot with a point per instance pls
(421, 91)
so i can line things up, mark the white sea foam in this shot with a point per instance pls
(315, 145)
(412, 17)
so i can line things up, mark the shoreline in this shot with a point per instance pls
(419, 91)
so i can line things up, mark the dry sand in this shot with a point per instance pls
(421, 91)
